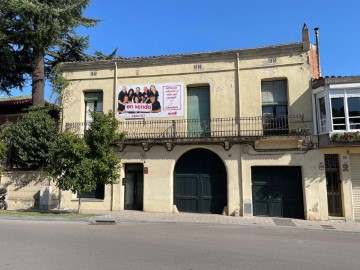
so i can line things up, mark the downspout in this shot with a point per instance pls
(115, 88)
(115, 112)
(61, 131)
(237, 116)
(315, 118)
(317, 49)
(237, 91)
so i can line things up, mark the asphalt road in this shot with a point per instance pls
(75, 245)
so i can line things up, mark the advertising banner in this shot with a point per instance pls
(150, 100)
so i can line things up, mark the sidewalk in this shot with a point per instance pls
(139, 216)
(111, 217)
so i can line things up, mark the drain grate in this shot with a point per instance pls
(284, 222)
(328, 227)
(102, 221)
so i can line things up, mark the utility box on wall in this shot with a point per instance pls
(45, 198)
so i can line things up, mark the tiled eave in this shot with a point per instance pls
(191, 57)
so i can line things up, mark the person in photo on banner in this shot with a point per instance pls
(138, 94)
(136, 99)
(145, 94)
(131, 95)
(155, 105)
(153, 92)
(122, 106)
(122, 95)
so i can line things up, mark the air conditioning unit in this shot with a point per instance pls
(45, 198)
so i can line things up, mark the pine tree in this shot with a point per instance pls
(34, 36)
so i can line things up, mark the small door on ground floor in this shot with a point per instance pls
(277, 191)
(333, 184)
(355, 181)
(133, 182)
(200, 182)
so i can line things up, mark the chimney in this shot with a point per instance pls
(317, 49)
(305, 33)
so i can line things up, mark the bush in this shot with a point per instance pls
(28, 141)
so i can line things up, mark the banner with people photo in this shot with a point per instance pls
(150, 100)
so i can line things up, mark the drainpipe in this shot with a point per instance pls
(237, 92)
(115, 88)
(317, 49)
(115, 112)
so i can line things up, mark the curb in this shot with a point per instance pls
(113, 220)
(30, 218)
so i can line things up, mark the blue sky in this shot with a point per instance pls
(157, 27)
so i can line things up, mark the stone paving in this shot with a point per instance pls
(139, 216)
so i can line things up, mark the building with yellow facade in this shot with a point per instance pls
(245, 132)
(218, 132)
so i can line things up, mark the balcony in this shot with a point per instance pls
(213, 130)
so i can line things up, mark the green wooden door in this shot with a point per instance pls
(277, 191)
(198, 111)
(200, 182)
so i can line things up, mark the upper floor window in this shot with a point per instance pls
(345, 113)
(274, 107)
(337, 110)
(93, 102)
(322, 114)
(353, 104)
(274, 98)
(338, 114)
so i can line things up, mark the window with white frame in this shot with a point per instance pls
(322, 114)
(93, 102)
(338, 113)
(345, 110)
(353, 104)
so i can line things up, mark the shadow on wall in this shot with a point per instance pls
(24, 189)
(20, 180)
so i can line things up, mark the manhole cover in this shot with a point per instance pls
(283, 222)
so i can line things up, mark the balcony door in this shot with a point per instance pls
(93, 102)
(198, 111)
(274, 107)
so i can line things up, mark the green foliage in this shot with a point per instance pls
(29, 140)
(346, 137)
(39, 27)
(2, 151)
(70, 164)
(103, 132)
(82, 163)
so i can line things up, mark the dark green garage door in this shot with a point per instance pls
(200, 182)
(277, 191)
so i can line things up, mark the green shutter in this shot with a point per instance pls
(198, 111)
(94, 96)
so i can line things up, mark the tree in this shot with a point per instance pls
(83, 162)
(2, 152)
(29, 140)
(31, 30)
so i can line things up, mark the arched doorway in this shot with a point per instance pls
(200, 182)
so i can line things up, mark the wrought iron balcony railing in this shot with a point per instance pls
(260, 126)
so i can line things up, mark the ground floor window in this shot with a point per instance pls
(97, 193)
